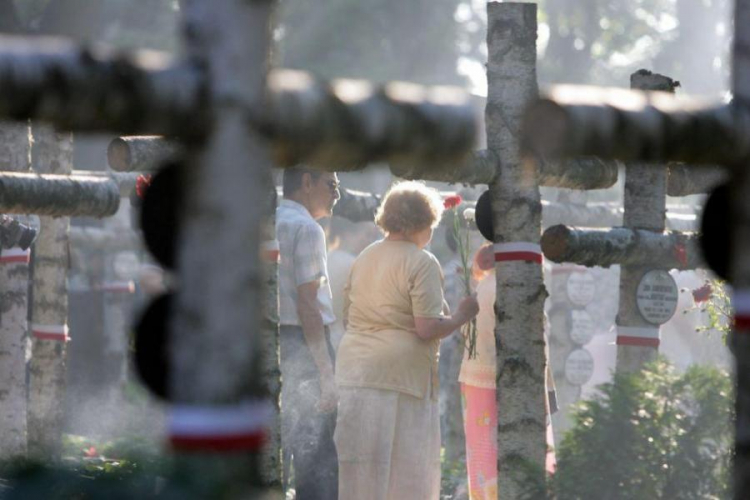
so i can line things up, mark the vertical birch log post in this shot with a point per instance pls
(644, 208)
(517, 211)
(216, 328)
(15, 155)
(49, 308)
(739, 261)
(271, 465)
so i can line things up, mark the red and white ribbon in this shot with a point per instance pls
(644, 336)
(116, 287)
(15, 255)
(741, 305)
(58, 333)
(270, 250)
(520, 250)
(240, 427)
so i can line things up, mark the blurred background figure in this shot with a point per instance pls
(346, 240)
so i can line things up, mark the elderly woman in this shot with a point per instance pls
(388, 429)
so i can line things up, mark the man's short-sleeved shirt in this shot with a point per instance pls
(390, 284)
(302, 254)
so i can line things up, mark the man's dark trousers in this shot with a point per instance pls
(306, 433)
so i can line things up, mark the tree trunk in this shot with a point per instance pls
(645, 207)
(517, 210)
(49, 310)
(217, 341)
(58, 195)
(15, 154)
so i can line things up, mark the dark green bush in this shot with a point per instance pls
(657, 434)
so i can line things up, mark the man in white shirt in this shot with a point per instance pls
(308, 394)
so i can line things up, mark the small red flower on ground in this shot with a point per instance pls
(452, 201)
(91, 452)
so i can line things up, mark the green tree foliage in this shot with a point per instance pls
(656, 434)
(378, 40)
(603, 41)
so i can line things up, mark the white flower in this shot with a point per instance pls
(470, 214)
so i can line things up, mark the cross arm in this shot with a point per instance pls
(684, 180)
(58, 195)
(636, 126)
(82, 89)
(345, 124)
(620, 245)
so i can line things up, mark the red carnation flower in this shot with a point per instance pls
(702, 294)
(141, 183)
(452, 201)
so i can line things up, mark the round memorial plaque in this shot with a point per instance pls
(657, 296)
(580, 288)
(579, 367)
(581, 327)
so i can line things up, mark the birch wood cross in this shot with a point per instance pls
(630, 126)
(232, 118)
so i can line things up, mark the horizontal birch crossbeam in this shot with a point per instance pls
(58, 195)
(636, 126)
(125, 180)
(343, 123)
(684, 180)
(623, 246)
(146, 153)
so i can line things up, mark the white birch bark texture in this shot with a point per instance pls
(739, 262)
(622, 246)
(80, 89)
(645, 206)
(684, 180)
(517, 211)
(56, 195)
(15, 154)
(579, 120)
(54, 152)
(216, 347)
(271, 463)
(139, 153)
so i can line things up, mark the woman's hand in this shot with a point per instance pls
(467, 308)
(329, 396)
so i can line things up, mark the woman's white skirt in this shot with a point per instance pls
(388, 445)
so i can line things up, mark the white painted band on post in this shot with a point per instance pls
(218, 420)
(645, 336)
(220, 428)
(647, 332)
(270, 250)
(15, 255)
(50, 332)
(741, 304)
(117, 287)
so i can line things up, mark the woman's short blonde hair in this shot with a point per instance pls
(409, 207)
